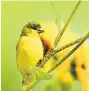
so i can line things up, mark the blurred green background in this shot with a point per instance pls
(15, 15)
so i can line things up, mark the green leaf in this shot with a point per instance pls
(40, 74)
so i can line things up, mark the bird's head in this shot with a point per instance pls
(31, 27)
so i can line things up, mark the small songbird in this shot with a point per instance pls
(29, 49)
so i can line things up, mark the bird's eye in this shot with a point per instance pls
(33, 26)
(36, 26)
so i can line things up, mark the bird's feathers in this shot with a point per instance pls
(29, 52)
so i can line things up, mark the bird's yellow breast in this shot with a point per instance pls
(29, 52)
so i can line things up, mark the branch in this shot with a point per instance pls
(67, 45)
(70, 53)
(54, 51)
(64, 28)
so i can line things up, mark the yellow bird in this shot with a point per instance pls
(29, 49)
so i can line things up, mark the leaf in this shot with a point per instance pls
(40, 74)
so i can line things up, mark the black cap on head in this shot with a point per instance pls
(35, 25)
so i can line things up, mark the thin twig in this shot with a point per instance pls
(70, 53)
(68, 45)
(54, 51)
(64, 28)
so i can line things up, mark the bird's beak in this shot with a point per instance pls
(40, 30)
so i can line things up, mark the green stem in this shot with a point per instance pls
(70, 53)
(52, 52)
(64, 28)
(67, 45)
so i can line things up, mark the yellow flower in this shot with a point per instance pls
(63, 69)
(82, 66)
(50, 33)
(83, 77)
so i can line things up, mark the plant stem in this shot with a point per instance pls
(53, 52)
(70, 53)
(64, 28)
(68, 45)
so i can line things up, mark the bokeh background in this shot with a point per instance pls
(15, 15)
